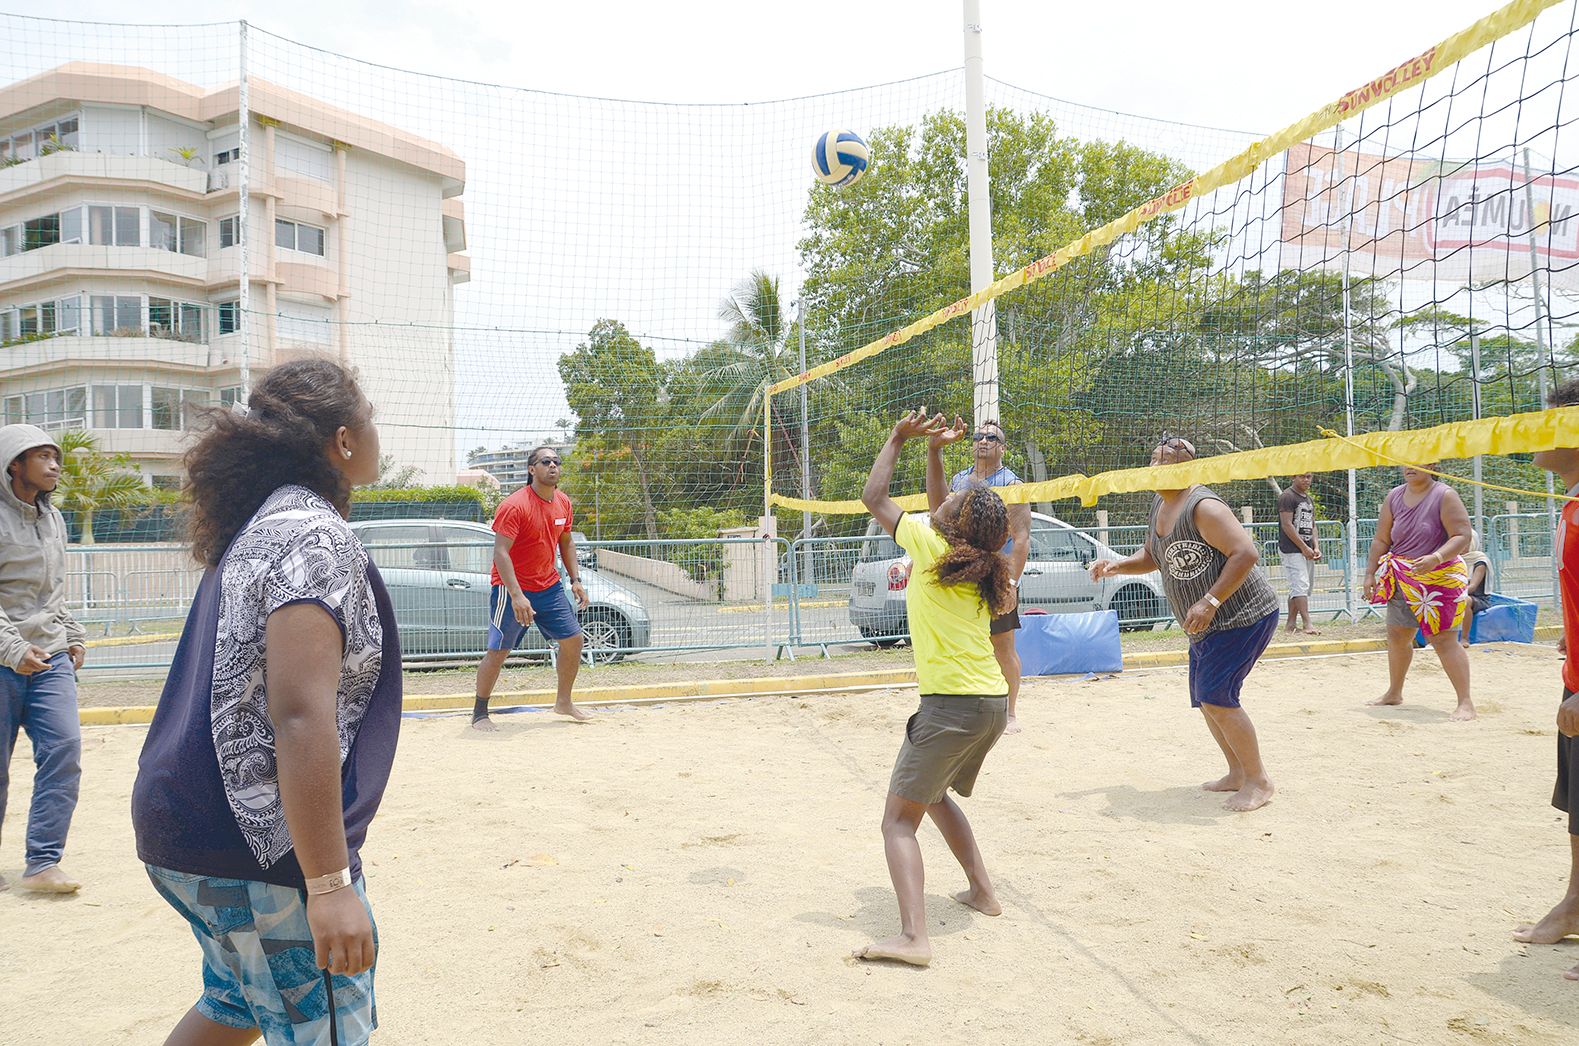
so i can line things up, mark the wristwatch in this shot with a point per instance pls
(1217, 604)
(1014, 582)
(329, 883)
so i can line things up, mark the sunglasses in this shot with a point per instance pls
(1172, 442)
(546, 461)
(986, 437)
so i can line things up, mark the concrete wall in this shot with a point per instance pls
(655, 572)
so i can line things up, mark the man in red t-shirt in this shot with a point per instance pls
(531, 526)
(1564, 919)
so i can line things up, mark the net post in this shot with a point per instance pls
(1349, 602)
(983, 321)
(243, 210)
(767, 447)
(805, 423)
(1540, 345)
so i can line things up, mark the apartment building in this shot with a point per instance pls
(121, 251)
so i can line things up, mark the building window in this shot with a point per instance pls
(229, 231)
(115, 226)
(15, 410)
(165, 482)
(227, 156)
(59, 136)
(117, 406)
(229, 317)
(294, 236)
(119, 316)
(57, 408)
(229, 396)
(179, 320)
(171, 406)
(169, 232)
(43, 231)
(42, 319)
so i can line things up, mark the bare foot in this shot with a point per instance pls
(1464, 712)
(484, 724)
(898, 949)
(573, 712)
(1227, 783)
(1559, 923)
(1312, 632)
(50, 880)
(1253, 796)
(1388, 698)
(1572, 975)
(1012, 726)
(985, 903)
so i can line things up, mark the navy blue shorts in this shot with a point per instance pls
(551, 613)
(1220, 661)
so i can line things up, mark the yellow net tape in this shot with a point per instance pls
(1330, 434)
(1514, 434)
(1407, 74)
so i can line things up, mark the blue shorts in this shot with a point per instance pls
(259, 968)
(551, 613)
(1220, 661)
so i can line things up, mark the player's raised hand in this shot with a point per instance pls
(916, 424)
(950, 432)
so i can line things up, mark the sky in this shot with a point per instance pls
(1240, 64)
(579, 209)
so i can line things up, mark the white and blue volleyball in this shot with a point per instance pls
(840, 157)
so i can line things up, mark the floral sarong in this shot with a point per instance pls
(1437, 597)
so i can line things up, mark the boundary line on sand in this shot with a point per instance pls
(760, 686)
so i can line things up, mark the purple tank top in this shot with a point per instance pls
(1417, 531)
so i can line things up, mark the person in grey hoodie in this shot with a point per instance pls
(41, 648)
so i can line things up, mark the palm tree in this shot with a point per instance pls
(753, 354)
(90, 480)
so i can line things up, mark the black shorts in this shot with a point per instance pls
(1566, 795)
(1009, 622)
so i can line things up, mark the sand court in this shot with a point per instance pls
(698, 873)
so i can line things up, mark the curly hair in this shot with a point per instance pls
(976, 537)
(240, 458)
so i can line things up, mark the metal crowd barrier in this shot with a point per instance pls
(682, 598)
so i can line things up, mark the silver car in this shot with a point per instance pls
(438, 575)
(1056, 580)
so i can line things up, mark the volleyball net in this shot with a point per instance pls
(1398, 266)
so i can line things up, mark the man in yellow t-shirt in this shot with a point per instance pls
(959, 579)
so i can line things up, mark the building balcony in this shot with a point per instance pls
(40, 266)
(460, 267)
(74, 354)
(48, 173)
(141, 444)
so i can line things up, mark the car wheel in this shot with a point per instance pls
(872, 635)
(1138, 608)
(605, 632)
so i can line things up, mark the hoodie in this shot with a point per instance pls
(32, 563)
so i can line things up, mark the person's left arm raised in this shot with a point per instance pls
(875, 496)
(1223, 531)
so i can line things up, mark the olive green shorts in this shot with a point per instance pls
(946, 741)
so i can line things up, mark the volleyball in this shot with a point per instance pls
(840, 157)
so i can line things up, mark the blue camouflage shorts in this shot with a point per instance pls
(259, 969)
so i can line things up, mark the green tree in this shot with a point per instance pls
(90, 480)
(615, 386)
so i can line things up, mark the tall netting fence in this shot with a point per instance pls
(662, 295)
(1404, 266)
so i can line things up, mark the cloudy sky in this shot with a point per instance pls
(1244, 64)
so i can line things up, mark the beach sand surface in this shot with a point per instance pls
(700, 873)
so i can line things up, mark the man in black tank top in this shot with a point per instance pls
(1219, 594)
